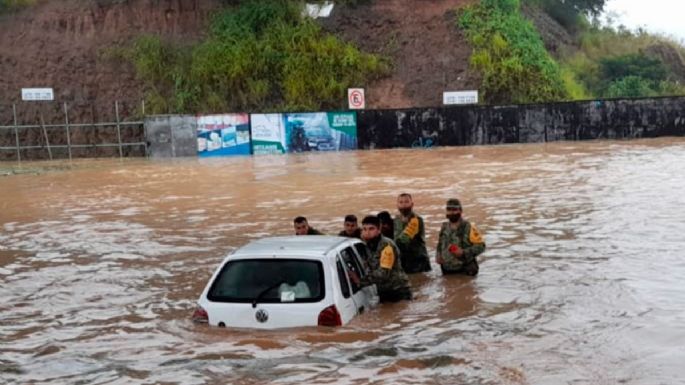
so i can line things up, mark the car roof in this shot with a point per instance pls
(303, 245)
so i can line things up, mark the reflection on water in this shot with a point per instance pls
(101, 263)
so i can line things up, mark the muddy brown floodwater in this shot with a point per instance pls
(101, 263)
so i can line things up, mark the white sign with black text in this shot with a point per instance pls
(460, 97)
(33, 94)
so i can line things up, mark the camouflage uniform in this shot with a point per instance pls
(385, 270)
(313, 231)
(467, 238)
(357, 234)
(410, 238)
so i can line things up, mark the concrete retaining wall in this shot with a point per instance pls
(171, 136)
(479, 125)
(176, 136)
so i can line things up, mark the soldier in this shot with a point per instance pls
(385, 267)
(459, 243)
(386, 224)
(410, 236)
(303, 228)
(351, 227)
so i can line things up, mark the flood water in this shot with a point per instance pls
(101, 263)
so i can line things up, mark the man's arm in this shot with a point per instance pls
(438, 249)
(477, 244)
(410, 231)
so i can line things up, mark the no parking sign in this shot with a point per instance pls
(355, 98)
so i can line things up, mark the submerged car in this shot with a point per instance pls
(289, 281)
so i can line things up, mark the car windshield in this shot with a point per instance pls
(285, 280)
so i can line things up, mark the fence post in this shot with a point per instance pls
(147, 150)
(16, 131)
(66, 124)
(45, 132)
(116, 112)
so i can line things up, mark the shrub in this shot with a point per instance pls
(637, 65)
(630, 87)
(261, 56)
(509, 54)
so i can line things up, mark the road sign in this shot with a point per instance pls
(355, 97)
(460, 97)
(33, 94)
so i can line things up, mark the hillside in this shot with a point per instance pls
(404, 52)
(62, 45)
(429, 52)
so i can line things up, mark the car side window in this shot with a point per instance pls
(363, 251)
(362, 257)
(354, 270)
(342, 277)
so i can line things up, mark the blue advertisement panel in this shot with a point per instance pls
(223, 135)
(302, 132)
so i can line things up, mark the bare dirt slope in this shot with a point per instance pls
(429, 53)
(59, 44)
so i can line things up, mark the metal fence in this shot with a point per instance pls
(66, 141)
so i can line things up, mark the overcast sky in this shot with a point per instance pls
(663, 16)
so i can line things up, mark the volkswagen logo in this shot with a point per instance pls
(261, 315)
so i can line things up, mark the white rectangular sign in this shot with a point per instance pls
(37, 94)
(460, 97)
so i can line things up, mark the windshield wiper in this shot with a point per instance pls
(263, 292)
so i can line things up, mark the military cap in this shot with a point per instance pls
(453, 203)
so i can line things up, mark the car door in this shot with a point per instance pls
(363, 256)
(347, 304)
(355, 271)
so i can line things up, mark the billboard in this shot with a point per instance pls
(268, 134)
(303, 132)
(223, 135)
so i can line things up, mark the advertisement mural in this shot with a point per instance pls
(223, 135)
(302, 132)
(268, 134)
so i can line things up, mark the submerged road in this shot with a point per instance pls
(101, 263)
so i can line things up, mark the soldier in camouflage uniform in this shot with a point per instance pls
(459, 243)
(410, 237)
(351, 227)
(302, 227)
(385, 267)
(386, 224)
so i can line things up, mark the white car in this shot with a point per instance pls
(290, 281)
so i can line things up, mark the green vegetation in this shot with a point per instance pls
(10, 5)
(606, 62)
(510, 55)
(259, 56)
(619, 63)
